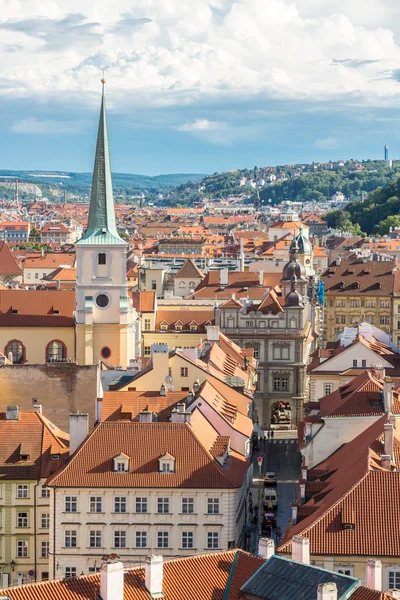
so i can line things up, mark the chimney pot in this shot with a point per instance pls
(154, 568)
(37, 408)
(145, 416)
(112, 581)
(78, 430)
(373, 576)
(301, 549)
(327, 591)
(266, 547)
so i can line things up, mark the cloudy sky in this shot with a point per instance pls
(198, 85)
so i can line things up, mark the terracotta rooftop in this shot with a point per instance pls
(195, 467)
(37, 308)
(34, 436)
(353, 277)
(8, 264)
(184, 317)
(143, 301)
(118, 405)
(189, 271)
(51, 260)
(216, 576)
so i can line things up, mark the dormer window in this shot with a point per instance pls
(193, 326)
(166, 463)
(164, 326)
(121, 463)
(178, 326)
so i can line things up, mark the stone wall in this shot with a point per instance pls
(61, 388)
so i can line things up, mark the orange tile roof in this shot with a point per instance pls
(186, 316)
(8, 264)
(189, 271)
(91, 465)
(37, 435)
(50, 260)
(116, 404)
(55, 228)
(204, 577)
(37, 308)
(351, 486)
(143, 301)
(271, 304)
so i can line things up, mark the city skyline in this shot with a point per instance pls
(199, 87)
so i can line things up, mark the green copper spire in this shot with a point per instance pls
(101, 227)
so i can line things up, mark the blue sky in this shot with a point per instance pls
(198, 85)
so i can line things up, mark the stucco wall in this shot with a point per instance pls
(60, 388)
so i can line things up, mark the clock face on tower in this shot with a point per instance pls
(102, 300)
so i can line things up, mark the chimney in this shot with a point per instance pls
(266, 547)
(178, 416)
(373, 576)
(338, 261)
(191, 353)
(78, 430)
(223, 277)
(154, 575)
(37, 408)
(294, 513)
(388, 439)
(241, 255)
(112, 581)
(301, 549)
(163, 390)
(145, 416)
(160, 360)
(387, 394)
(379, 372)
(12, 413)
(304, 472)
(261, 277)
(385, 461)
(302, 486)
(212, 333)
(180, 407)
(327, 591)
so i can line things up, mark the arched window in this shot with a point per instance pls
(55, 351)
(17, 349)
(102, 258)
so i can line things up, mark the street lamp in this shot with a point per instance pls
(13, 565)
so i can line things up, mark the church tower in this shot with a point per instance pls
(105, 318)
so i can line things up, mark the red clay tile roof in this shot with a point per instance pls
(50, 260)
(375, 278)
(203, 577)
(55, 227)
(143, 301)
(270, 304)
(359, 491)
(362, 397)
(186, 316)
(91, 465)
(365, 593)
(37, 308)
(36, 435)
(8, 264)
(189, 271)
(116, 404)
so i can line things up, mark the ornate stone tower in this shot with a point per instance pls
(105, 318)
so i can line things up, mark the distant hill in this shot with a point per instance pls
(53, 183)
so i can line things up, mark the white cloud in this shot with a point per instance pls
(202, 125)
(188, 52)
(327, 143)
(34, 126)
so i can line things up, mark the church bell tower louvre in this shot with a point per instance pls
(105, 319)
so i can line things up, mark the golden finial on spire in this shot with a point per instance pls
(103, 80)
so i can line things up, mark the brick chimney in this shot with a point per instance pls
(266, 547)
(112, 581)
(78, 430)
(301, 549)
(327, 591)
(373, 575)
(154, 569)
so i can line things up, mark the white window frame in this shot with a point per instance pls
(187, 540)
(120, 538)
(44, 549)
(213, 506)
(71, 503)
(120, 502)
(22, 491)
(22, 521)
(45, 520)
(140, 536)
(141, 502)
(163, 505)
(45, 492)
(212, 540)
(69, 572)
(95, 538)
(96, 503)
(162, 539)
(187, 505)
(22, 548)
(70, 538)
(396, 572)
(328, 388)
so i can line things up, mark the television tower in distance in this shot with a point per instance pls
(386, 157)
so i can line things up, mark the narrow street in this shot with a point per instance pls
(283, 458)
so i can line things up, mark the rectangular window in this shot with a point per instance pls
(393, 580)
(213, 506)
(249, 324)
(344, 571)
(147, 324)
(22, 519)
(147, 350)
(22, 491)
(70, 538)
(70, 572)
(45, 520)
(119, 539)
(120, 504)
(184, 372)
(187, 539)
(281, 384)
(44, 549)
(153, 284)
(141, 505)
(22, 548)
(71, 504)
(45, 492)
(96, 504)
(327, 388)
(95, 538)
(355, 362)
(363, 362)
(163, 505)
(162, 539)
(166, 468)
(343, 319)
(141, 539)
(257, 353)
(188, 506)
(212, 540)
